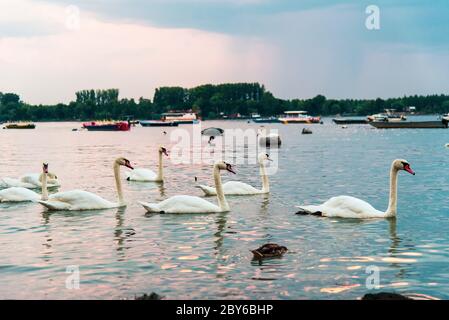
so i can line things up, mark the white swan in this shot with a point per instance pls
(240, 188)
(145, 175)
(190, 204)
(350, 207)
(30, 181)
(271, 139)
(76, 200)
(21, 194)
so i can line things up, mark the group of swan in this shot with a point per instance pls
(68, 200)
(18, 190)
(340, 206)
(30, 181)
(83, 200)
(75, 200)
(191, 204)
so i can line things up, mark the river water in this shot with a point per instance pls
(120, 253)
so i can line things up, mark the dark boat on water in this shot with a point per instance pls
(107, 126)
(19, 125)
(266, 120)
(149, 123)
(438, 124)
(349, 121)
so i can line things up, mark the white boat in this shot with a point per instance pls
(390, 115)
(180, 117)
(298, 117)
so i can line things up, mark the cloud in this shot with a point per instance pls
(135, 58)
(329, 51)
(296, 48)
(21, 18)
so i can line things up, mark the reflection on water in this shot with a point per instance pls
(124, 252)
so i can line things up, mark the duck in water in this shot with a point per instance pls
(269, 250)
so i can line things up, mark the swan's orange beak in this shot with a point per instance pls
(408, 169)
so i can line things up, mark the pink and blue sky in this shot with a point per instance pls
(297, 48)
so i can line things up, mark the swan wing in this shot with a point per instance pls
(77, 200)
(10, 183)
(231, 188)
(33, 179)
(208, 191)
(140, 174)
(18, 194)
(29, 182)
(345, 207)
(182, 204)
(239, 188)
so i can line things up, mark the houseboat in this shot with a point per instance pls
(438, 124)
(107, 126)
(298, 117)
(180, 117)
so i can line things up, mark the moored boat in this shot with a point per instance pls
(389, 115)
(438, 124)
(158, 123)
(180, 117)
(107, 126)
(20, 125)
(266, 120)
(349, 121)
(298, 117)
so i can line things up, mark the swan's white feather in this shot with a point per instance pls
(140, 174)
(208, 191)
(18, 194)
(232, 188)
(345, 207)
(182, 204)
(29, 181)
(77, 200)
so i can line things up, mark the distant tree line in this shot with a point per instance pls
(210, 101)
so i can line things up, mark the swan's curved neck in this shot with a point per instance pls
(160, 173)
(44, 196)
(222, 203)
(118, 184)
(265, 182)
(392, 203)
